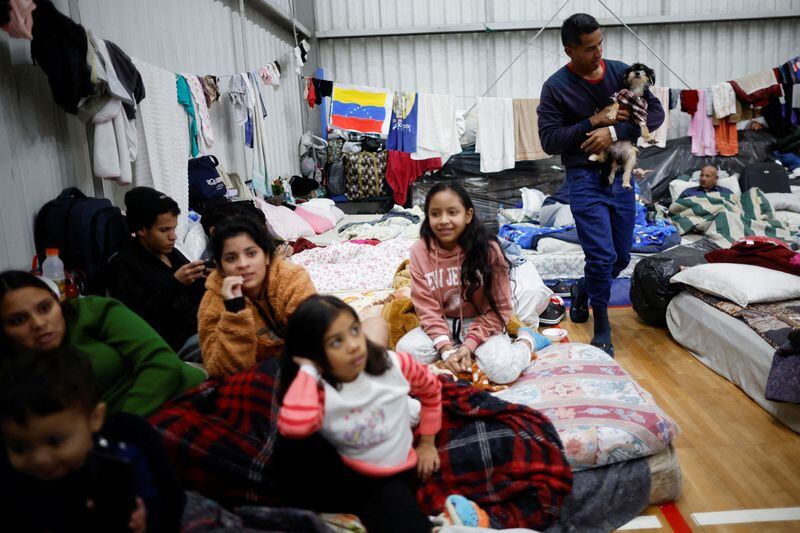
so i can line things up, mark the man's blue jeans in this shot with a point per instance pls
(604, 217)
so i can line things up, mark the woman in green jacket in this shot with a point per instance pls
(135, 369)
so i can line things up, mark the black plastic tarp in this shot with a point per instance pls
(677, 159)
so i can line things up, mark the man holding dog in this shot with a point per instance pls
(574, 122)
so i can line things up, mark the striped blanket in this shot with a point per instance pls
(724, 217)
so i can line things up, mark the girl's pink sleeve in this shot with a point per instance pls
(303, 406)
(427, 389)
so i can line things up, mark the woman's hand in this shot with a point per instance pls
(460, 360)
(232, 287)
(427, 457)
(138, 521)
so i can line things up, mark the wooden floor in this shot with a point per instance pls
(734, 455)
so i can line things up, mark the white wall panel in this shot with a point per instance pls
(44, 150)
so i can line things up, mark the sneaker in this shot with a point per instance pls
(555, 312)
(562, 288)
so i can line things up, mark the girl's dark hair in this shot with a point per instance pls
(475, 240)
(11, 280)
(305, 338)
(241, 225)
(42, 384)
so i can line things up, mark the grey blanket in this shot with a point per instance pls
(605, 498)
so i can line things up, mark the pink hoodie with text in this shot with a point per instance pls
(436, 293)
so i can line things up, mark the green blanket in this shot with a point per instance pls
(724, 217)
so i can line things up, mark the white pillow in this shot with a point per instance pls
(783, 200)
(741, 284)
(531, 200)
(676, 186)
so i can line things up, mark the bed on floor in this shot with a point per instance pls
(730, 348)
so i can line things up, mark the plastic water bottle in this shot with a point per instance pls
(53, 269)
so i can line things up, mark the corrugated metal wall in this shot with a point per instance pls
(44, 150)
(465, 64)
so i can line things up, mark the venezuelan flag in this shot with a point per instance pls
(361, 109)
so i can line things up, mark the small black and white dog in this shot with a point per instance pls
(637, 78)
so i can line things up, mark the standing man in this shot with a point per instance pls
(573, 123)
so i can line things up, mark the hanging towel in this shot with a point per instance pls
(437, 127)
(494, 139)
(701, 129)
(403, 127)
(660, 135)
(757, 81)
(128, 76)
(237, 92)
(527, 145)
(689, 101)
(162, 140)
(114, 143)
(361, 109)
(185, 99)
(724, 99)
(206, 137)
(727, 138)
(20, 19)
(674, 96)
(258, 170)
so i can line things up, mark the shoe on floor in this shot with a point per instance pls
(606, 347)
(562, 288)
(577, 313)
(555, 312)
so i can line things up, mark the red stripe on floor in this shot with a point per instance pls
(674, 518)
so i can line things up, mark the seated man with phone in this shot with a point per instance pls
(153, 278)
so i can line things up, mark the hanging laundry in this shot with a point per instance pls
(794, 64)
(527, 145)
(311, 93)
(59, 47)
(299, 55)
(270, 74)
(403, 125)
(660, 135)
(709, 103)
(689, 101)
(437, 127)
(701, 129)
(402, 171)
(494, 139)
(210, 88)
(757, 88)
(237, 92)
(104, 74)
(206, 133)
(674, 97)
(322, 88)
(163, 137)
(128, 76)
(184, 97)
(19, 20)
(258, 173)
(115, 143)
(727, 138)
(361, 109)
(724, 99)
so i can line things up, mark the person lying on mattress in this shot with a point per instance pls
(708, 183)
(135, 368)
(461, 292)
(249, 298)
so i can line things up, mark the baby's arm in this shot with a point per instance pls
(303, 406)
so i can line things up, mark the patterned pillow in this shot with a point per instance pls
(602, 415)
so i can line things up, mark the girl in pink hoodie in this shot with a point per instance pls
(461, 292)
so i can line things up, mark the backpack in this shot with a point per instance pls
(769, 177)
(205, 182)
(86, 231)
(336, 183)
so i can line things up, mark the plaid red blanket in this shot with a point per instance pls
(503, 456)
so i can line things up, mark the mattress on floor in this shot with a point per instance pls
(332, 235)
(568, 265)
(730, 348)
(666, 478)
